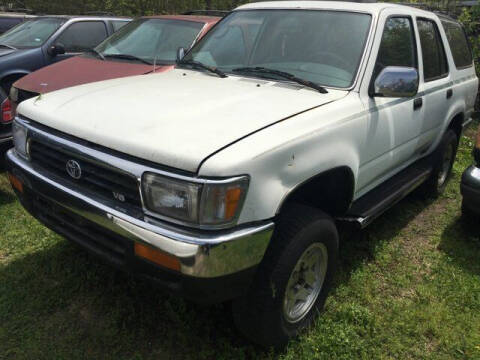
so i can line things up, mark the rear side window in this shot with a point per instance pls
(434, 59)
(398, 45)
(83, 36)
(7, 23)
(458, 42)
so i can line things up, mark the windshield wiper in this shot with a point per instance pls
(284, 75)
(9, 46)
(198, 64)
(128, 57)
(98, 53)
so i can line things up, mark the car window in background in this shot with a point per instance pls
(7, 23)
(151, 39)
(398, 45)
(32, 33)
(83, 36)
(462, 55)
(434, 59)
(321, 46)
(117, 25)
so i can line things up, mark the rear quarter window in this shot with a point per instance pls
(458, 42)
(6, 23)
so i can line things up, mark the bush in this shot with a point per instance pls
(470, 18)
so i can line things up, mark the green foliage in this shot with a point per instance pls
(471, 20)
(122, 7)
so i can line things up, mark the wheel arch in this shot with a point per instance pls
(456, 123)
(331, 191)
(10, 77)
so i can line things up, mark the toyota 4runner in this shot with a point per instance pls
(225, 178)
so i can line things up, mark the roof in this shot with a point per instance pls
(333, 5)
(195, 18)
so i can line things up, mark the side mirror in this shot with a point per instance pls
(396, 82)
(180, 54)
(57, 49)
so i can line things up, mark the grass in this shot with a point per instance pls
(408, 288)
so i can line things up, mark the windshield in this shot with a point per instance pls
(150, 39)
(324, 47)
(32, 33)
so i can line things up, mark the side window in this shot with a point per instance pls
(7, 23)
(117, 25)
(434, 59)
(457, 39)
(398, 45)
(83, 36)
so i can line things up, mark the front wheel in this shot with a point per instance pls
(293, 280)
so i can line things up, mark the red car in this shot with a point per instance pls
(146, 45)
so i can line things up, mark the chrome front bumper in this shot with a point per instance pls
(5, 140)
(202, 254)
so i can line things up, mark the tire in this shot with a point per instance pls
(443, 159)
(303, 235)
(468, 215)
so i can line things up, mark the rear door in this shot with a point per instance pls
(80, 37)
(436, 86)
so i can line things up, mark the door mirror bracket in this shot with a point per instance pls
(57, 49)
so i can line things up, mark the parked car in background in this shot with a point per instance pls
(145, 45)
(43, 41)
(10, 19)
(470, 186)
(225, 178)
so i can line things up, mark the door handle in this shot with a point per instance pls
(417, 103)
(449, 93)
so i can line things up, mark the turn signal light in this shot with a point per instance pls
(157, 257)
(7, 111)
(15, 182)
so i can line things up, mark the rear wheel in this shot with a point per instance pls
(443, 159)
(293, 280)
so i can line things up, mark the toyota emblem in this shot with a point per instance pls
(74, 169)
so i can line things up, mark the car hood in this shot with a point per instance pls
(80, 70)
(177, 118)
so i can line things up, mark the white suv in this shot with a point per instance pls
(226, 178)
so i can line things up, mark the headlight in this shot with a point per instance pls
(208, 203)
(14, 94)
(19, 133)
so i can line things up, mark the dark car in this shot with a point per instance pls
(45, 40)
(470, 186)
(10, 19)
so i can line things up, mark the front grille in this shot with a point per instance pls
(89, 235)
(99, 180)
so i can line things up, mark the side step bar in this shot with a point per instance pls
(373, 204)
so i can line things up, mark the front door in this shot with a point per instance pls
(394, 124)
